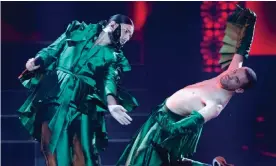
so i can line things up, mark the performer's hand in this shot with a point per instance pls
(30, 65)
(119, 113)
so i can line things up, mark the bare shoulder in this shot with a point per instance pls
(211, 110)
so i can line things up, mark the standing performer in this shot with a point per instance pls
(73, 82)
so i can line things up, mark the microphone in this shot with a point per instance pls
(37, 61)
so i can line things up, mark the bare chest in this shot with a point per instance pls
(189, 99)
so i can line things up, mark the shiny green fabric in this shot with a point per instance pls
(71, 86)
(73, 52)
(230, 44)
(238, 36)
(176, 134)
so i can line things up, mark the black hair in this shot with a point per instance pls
(251, 76)
(120, 19)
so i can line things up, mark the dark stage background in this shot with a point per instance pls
(165, 54)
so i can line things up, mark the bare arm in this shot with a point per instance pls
(236, 62)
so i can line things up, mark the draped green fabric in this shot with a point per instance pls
(69, 91)
(176, 134)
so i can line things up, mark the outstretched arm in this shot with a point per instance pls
(117, 111)
(49, 54)
(236, 62)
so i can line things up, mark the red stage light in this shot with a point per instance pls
(208, 69)
(217, 69)
(209, 33)
(223, 6)
(260, 119)
(213, 32)
(244, 147)
(209, 25)
(265, 32)
(232, 6)
(209, 62)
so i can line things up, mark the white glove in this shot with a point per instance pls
(30, 65)
(119, 113)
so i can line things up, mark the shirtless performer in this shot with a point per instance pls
(172, 132)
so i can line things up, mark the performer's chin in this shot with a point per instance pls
(223, 82)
